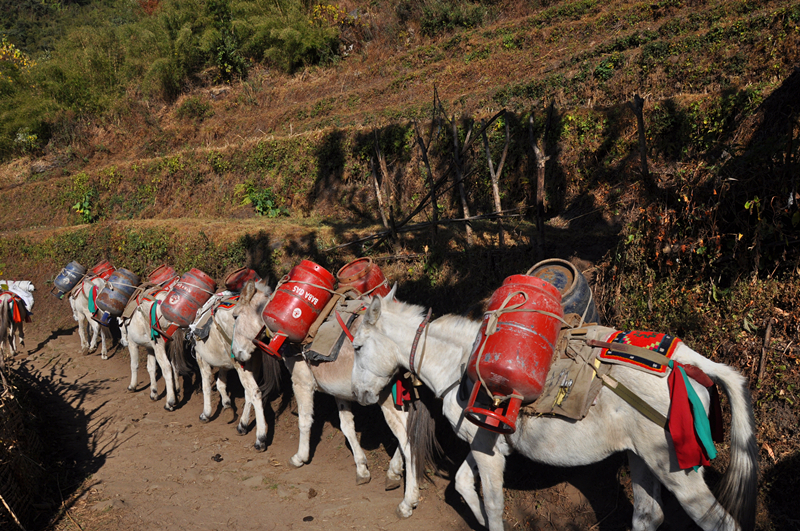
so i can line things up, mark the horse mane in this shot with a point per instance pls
(449, 327)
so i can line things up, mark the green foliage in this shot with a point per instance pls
(218, 162)
(262, 199)
(85, 207)
(607, 66)
(290, 39)
(441, 16)
(194, 108)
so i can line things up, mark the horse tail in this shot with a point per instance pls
(270, 373)
(738, 490)
(176, 350)
(421, 429)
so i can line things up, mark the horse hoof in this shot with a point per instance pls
(153, 396)
(241, 430)
(203, 418)
(85, 351)
(362, 480)
(104, 357)
(260, 445)
(169, 407)
(296, 461)
(403, 512)
(131, 389)
(392, 483)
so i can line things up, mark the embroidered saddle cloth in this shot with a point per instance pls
(653, 341)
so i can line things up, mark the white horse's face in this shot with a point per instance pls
(247, 320)
(375, 360)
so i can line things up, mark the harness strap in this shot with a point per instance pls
(624, 348)
(634, 400)
(411, 368)
(344, 326)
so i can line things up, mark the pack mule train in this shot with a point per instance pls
(83, 288)
(305, 292)
(383, 348)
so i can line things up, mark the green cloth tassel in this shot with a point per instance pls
(92, 295)
(701, 424)
(153, 322)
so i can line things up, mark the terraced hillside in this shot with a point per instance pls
(135, 131)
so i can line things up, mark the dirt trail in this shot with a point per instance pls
(148, 468)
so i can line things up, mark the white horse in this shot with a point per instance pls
(331, 378)
(215, 351)
(8, 346)
(136, 332)
(11, 330)
(79, 302)
(383, 345)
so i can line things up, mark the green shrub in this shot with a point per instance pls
(440, 16)
(262, 199)
(194, 108)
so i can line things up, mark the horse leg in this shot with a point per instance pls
(396, 421)
(394, 475)
(123, 332)
(222, 388)
(691, 491)
(465, 485)
(133, 350)
(82, 326)
(151, 370)
(166, 372)
(303, 389)
(491, 464)
(95, 326)
(205, 377)
(257, 402)
(348, 427)
(648, 513)
(243, 428)
(103, 351)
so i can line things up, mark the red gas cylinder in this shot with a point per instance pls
(363, 276)
(297, 302)
(514, 350)
(162, 274)
(236, 280)
(102, 269)
(187, 296)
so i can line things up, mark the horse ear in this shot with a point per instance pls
(393, 293)
(247, 293)
(373, 311)
(245, 297)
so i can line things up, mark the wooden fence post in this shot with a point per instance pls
(496, 176)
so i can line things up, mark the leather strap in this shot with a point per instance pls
(624, 348)
(344, 326)
(421, 327)
(634, 400)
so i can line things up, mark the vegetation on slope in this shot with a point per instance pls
(120, 120)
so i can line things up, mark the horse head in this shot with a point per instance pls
(376, 354)
(248, 322)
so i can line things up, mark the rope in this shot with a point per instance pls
(201, 288)
(491, 328)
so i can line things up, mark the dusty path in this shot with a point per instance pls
(148, 468)
(127, 464)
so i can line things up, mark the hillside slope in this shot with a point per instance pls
(278, 166)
